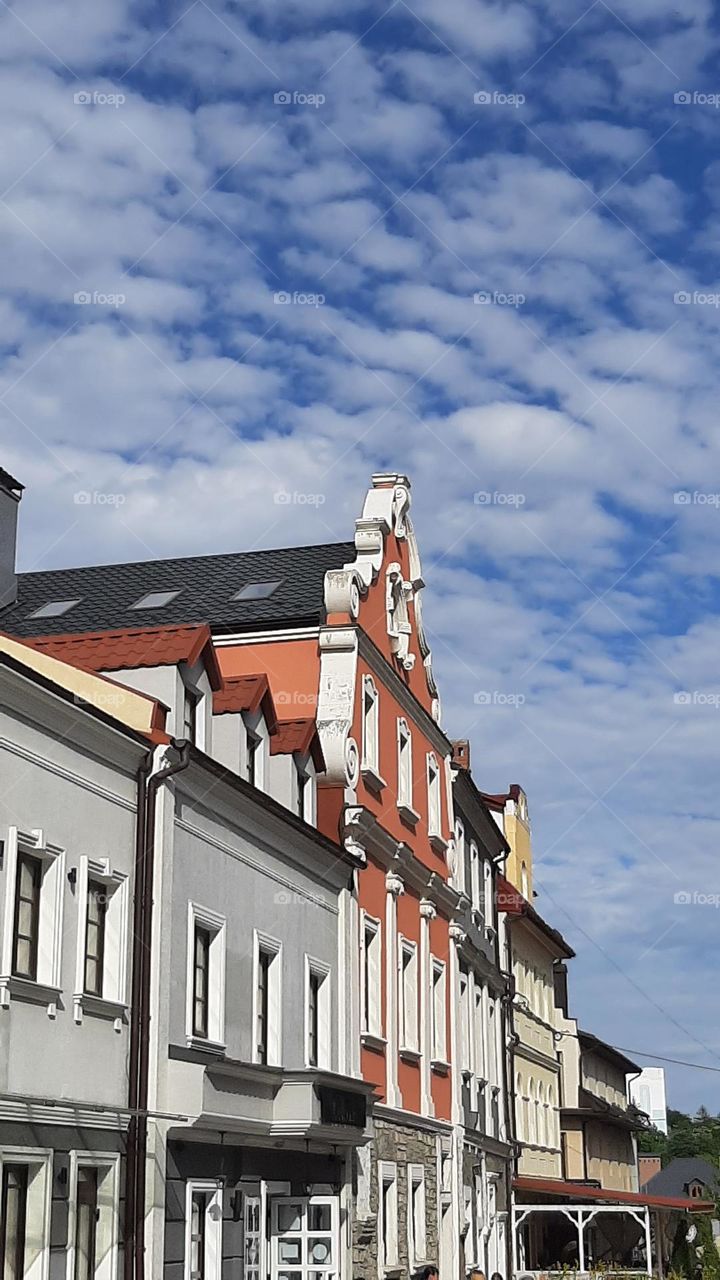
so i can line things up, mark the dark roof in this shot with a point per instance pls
(9, 482)
(589, 1104)
(595, 1045)
(677, 1176)
(206, 585)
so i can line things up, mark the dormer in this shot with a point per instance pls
(296, 759)
(244, 721)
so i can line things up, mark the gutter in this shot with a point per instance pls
(135, 1176)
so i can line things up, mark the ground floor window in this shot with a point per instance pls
(304, 1244)
(14, 1217)
(387, 1216)
(25, 1185)
(203, 1230)
(93, 1212)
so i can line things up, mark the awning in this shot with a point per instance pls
(580, 1191)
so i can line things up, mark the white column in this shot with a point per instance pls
(648, 1240)
(394, 887)
(427, 913)
(457, 936)
(581, 1240)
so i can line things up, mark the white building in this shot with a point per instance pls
(647, 1091)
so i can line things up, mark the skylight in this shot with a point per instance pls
(54, 608)
(155, 599)
(256, 590)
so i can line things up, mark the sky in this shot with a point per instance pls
(254, 252)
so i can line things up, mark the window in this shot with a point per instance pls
(460, 856)
(95, 938)
(191, 702)
(256, 746)
(28, 880)
(408, 996)
(405, 771)
(438, 1012)
(317, 1006)
(155, 599)
(54, 608)
(205, 1013)
(305, 789)
(203, 1230)
(86, 1223)
(417, 1245)
(475, 879)
(267, 1000)
(370, 979)
(25, 1182)
(464, 1019)
(304, 1241)
(387, 1216)
(433, 788)
(370, 728)
(32, 928)
(488, 895)
(257, 590)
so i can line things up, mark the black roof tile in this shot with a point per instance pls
(206, 586)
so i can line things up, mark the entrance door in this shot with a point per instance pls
(304, 1238)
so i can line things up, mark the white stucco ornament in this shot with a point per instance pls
(398, 595)
(352, 763)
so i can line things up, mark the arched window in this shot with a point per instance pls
(524, 882)
(541, 1117)
(532, 1112)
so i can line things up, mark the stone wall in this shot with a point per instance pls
(399, 1145)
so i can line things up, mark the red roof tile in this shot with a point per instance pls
(134, 647)
(246, 693)
(300, 736)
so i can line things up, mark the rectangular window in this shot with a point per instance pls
(370, 735)
(28, 883)
(205, 999)
(408, 996)
(404, 765)
(317, 1014)
(201, 975)
(191, 701)
(388, 1214)
(464, 1019)
(97, 896)
(203, 1230)
(86, 1215)
(438, 1012)
(370, 977)
(254, 745)
(417, 1245)
(433, 788)
(267, 1001)
(14, 1219)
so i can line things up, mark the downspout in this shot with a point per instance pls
(142, 953)
(143, 774)
(509, 1040)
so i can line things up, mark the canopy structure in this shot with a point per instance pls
(559, 1225)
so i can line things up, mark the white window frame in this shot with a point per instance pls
(305, 768)
(39, 1203)
(405, 771)
(370, 745)
(113, 1001)
(108, 1210)
(434, 803)
(213, 1228)
(46, 987)
(416, 1215)
(318, 969)
(217, 928)
(476, 883)
(371, 972)
(459, 838)
(255, 726)
(272, 946)
(408, 996)
(489, 909)
(387, 1177)
(464, 1021)
(191, 690)
(438, 1000)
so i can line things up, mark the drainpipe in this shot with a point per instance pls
(509, 1038)
(149, 784)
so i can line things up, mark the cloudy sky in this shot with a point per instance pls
(253, 252)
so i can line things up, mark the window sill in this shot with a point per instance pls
(212, 1047)
(440, 1067)
(408, 814)
(27, 989)
(438, 842)
(409, 1055)
(99, 1007)
(372, 779)
(370, 1040)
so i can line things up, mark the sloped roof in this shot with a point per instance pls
(674, 1179)
(205, 585)
(301, 736)
(246, 693)
(133, 647)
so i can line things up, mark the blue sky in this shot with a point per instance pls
(255, 252)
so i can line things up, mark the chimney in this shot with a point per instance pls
(10, 494)
(461, 753)
(648, 1166)
(560, 975)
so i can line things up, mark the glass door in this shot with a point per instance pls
(304, 1238)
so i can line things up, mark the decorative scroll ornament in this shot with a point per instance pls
(398, 594)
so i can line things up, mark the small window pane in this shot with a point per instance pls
(256, 590)
(155, 599)
(54, 608)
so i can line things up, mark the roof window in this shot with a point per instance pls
(155, 599)
(54, 608)
(256, 590)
